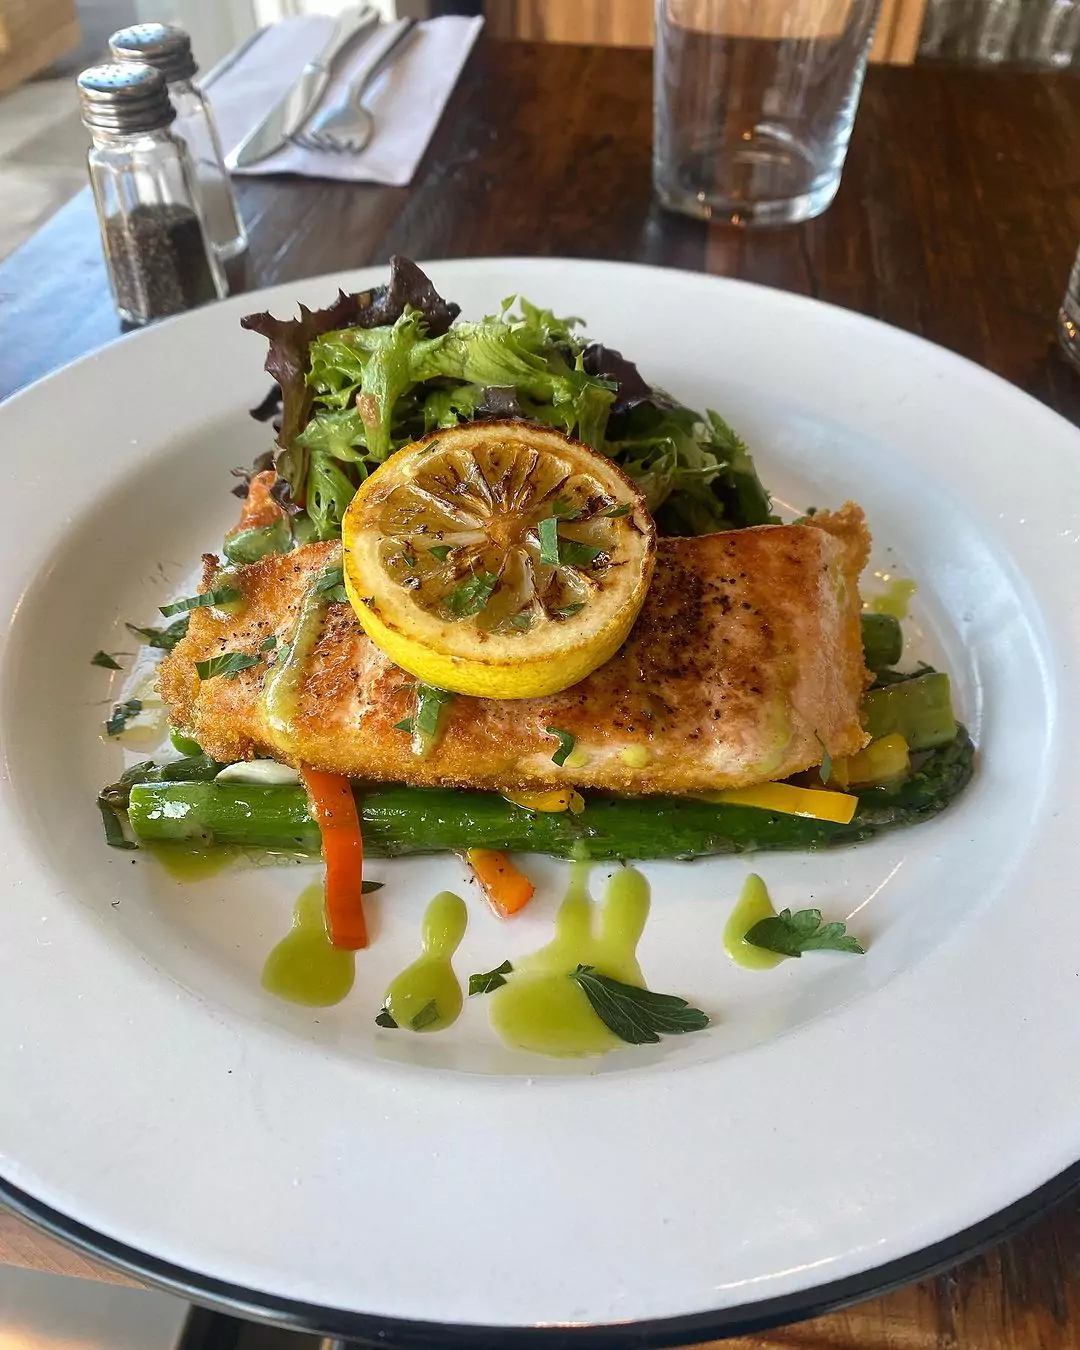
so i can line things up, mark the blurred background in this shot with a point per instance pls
(43, 43)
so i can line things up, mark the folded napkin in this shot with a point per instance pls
(406, 99)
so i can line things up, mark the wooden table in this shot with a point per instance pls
(957, 219)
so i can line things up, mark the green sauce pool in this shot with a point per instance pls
(185, 863)
(754, 905)
(540, 1008)
(304, 967)
(895, 600)
(426, 996)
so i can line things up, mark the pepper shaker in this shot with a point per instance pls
(169, 50)
(143, 181)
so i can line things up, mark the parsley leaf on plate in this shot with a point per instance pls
(792, 934)
(165, 639)
(428, 1013)
(121, 715)
(637, 1016)
(487, 980)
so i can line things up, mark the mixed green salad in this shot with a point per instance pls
(376, 371)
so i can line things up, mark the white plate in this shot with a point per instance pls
(842, 1114)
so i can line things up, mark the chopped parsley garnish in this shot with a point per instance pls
(566, 740)
(568, 611)
(792, 934)
(406, 724)
(548, 530)
(409, 556)
(488, 980)
(623, 510)
(430, 703)
(471, 596)
(328, 578)
(637, 1016)
(268, 644)
(428, 1013)
(330, 584)
(104, 659)
(220, 595)
(440, 551)
(225, 663)
(383, 1019)
(121, 715)
(561, 509)
(165, 639)
(575, 554)
(522, 621)
(826, 761)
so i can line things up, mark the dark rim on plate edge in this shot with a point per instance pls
(366, 1328)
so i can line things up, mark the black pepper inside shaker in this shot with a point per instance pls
(144, 185)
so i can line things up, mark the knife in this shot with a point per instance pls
(301, 99)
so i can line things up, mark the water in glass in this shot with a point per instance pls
(754, 104)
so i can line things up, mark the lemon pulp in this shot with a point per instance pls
(498, 559)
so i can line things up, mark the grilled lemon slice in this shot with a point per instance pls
(498, 559)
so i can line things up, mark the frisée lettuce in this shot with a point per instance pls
(377, 370)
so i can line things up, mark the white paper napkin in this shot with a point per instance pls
(406, 100)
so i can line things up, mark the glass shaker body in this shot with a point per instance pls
(152, 230)
(168, 49)
(195, 122)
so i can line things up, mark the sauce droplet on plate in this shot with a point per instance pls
(540, 1008)
(894, 600)
(426, 996)
(304, 967)
(754, 905)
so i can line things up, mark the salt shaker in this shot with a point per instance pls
(143, 180)
(169, 50)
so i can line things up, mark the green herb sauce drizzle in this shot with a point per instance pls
(426, 996)
(304, 967)
(539, 1008)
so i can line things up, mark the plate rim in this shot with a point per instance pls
(668, 1330)
(684, 1329)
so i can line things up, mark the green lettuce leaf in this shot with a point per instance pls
(289, 357)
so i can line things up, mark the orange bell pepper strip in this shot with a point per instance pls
(506, 888)
(334, 809)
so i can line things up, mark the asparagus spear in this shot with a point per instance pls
(400, 820)
(920, 709)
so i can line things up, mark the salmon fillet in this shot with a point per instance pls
(744, 666)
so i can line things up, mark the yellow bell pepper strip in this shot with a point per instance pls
(882, 761)
(814, 803)
(556, 799)
(506, 888)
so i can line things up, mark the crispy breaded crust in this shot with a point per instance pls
(745, 663)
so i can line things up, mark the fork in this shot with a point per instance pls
(347, 128)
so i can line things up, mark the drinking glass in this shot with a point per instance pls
(753, 105)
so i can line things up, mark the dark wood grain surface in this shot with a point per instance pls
(957, 219)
